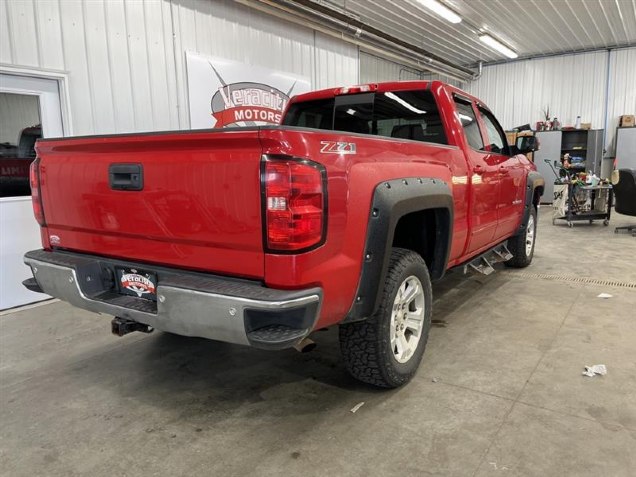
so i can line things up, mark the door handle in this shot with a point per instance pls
(478, 169)
(504, 170)
(126, 176)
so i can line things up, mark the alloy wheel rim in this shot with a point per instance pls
(407, 319)
(529, 236)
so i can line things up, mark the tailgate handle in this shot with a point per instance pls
(126, 176)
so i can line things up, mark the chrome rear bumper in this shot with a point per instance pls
(189, 304)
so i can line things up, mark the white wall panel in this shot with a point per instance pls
(229, 30)
(47, 19)
(445, 79)
(97, 64)
(571, 85)
(140, 69)
(74, 47)
(21, 19)
(172, 86)
(6, 54)
(336, 64)
(157, 44)
(376, 70)
(126, 71)
(621, 91)
(119, 66)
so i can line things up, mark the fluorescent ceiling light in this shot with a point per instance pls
(442, 10)
(406, 104)
(497, 45)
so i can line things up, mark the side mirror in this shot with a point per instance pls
(527, 144)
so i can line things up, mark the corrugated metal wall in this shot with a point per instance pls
(230, 30)
(125, 73)
(569, 85)
(376, 70)
(444, 78)
(595, 85)
(621, 91)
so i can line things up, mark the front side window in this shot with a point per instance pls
(469, 124)
(496, 137)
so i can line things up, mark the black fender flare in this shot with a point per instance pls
(534, 181)
(392, 200)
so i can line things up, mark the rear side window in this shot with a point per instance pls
(408, 115)
(469, 123)
(354, 113)
(311, 114)
(402, 114)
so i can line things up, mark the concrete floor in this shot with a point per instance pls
(500, 389)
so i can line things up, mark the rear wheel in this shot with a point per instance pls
(386, 349)
(522, 246)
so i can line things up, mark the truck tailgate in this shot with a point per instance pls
(198, 205)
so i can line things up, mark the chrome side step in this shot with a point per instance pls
(482, 264)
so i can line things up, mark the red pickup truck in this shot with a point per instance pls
(342, 216)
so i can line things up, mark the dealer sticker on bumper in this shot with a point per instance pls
(138, 283)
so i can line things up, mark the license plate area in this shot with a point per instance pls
(138, 283)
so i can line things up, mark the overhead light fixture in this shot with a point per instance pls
(497, 45)
(441, 10)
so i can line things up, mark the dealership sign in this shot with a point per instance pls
(225, 93)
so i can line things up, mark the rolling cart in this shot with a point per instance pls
(576, 202)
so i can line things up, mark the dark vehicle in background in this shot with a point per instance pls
(15, 160)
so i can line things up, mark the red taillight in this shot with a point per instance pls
(36, 196)
(294, 204)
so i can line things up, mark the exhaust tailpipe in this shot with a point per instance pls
(305, 345)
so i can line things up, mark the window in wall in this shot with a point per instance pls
(19, 129)
(469, 123)
(498, 142)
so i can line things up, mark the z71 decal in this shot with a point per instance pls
(334, 147)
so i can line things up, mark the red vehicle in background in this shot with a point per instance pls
(342, 216)
(15, 161)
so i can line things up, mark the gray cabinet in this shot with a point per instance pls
(581, 143)
(626, 148)
(549, 149)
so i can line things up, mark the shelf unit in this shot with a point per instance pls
(586, 143)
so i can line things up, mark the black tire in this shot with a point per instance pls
(366, 345)
(517, 244)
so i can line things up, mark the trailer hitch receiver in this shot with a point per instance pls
(122, 326)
